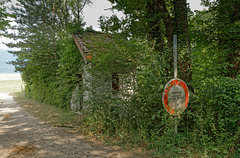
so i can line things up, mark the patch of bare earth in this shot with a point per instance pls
(51, 135)
(6, 116)
(22, 151)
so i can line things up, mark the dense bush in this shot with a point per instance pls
(208, 127)
(56, 88)
(216, 116)
(208, 49)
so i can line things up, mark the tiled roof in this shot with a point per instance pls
(89, 43)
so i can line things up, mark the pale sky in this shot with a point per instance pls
(94, 11)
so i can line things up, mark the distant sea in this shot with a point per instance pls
(4, 58)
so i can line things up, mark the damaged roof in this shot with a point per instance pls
(90, 43)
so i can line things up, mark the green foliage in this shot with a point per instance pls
(217, 115)
(210, 125)
(48, 59)
(134, 118)
(57, 89)
(52, 67)
(216, 32)
(3, 16)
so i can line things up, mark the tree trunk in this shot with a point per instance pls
(184, 48)
(167, 20)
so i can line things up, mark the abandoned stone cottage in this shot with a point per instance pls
(104, 72)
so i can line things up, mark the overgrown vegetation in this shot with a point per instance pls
(140, 52)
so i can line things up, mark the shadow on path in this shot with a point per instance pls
(23, 136)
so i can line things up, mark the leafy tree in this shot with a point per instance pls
(36, 38)
(39, 27)
(157, 20)
(217, 29)
(228, 20)
(43, 30)
(3, 15)
(51, 66)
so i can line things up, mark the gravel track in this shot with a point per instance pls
(23, 136)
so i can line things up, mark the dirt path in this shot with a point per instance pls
(23, 136)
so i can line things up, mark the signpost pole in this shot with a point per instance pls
(175, 95)
(175, 70)
(175, 55)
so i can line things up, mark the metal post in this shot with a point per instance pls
(175, 55)
(175, 127)
(175, 70)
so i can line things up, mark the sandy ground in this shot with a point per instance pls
(23, 136)
(10, 83)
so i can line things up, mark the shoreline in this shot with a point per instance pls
(10, 76)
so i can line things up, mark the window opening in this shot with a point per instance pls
(115, 82)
